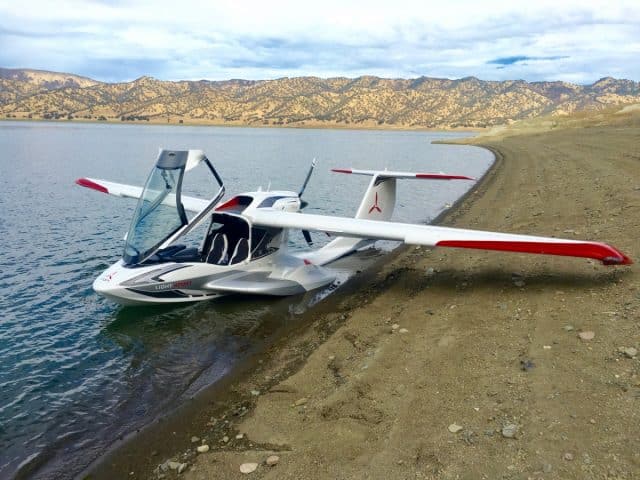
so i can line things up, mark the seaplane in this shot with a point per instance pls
(244, 246)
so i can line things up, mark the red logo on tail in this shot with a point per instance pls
(375, 205)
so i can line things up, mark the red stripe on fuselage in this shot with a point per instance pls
(232, 202)
(341, 170)
(599, 251)
(85, 182)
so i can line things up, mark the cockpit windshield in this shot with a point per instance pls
(159, 219)
(158, 214)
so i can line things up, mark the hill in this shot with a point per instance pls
(304, 101)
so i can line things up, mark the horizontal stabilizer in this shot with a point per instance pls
(390, 174)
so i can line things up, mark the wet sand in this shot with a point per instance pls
(371, 386)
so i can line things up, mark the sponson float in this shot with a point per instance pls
(244, 248)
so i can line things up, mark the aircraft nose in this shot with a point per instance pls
(99, 285)
(104, 284)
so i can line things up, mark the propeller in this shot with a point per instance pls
(307, 237)
(304, 203)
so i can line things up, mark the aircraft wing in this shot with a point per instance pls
(190, 204)
(433, 236)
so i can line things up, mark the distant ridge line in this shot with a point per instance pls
(365, 101)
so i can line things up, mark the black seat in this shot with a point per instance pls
(218, 250)
(241, 252)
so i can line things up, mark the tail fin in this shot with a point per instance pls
(377, 204)
(380, 198)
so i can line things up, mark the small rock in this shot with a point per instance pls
(519, 283)
(568, 457)
(403, 330)
(195, 439)
(586, 335)
(300, 402)
(395, 327)
(546, 467)
(332, 358)
(546, 347)
(568, 328)
(255, 393)
(240, 436)
(181, 468)
(510, 430)
(203, 448)
(248, 467)
(173, 465)
(272, 460)
(630, 352)
(468, 437)
(455, 428)
(527, 365)
(225, 439)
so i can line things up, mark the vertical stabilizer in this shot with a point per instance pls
(379, 200)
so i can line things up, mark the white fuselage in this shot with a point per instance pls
(276, 272)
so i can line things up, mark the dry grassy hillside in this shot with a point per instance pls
(310, 101)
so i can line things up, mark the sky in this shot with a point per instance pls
(121, 40)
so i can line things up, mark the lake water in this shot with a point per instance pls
(77, 371)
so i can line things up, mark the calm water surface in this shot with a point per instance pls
(77, 371)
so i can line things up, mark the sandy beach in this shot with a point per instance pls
(454, 363)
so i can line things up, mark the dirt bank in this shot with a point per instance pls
(486, 341)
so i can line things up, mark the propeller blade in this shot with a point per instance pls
(306, 180)
(307, 237)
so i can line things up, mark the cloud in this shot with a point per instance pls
(117, 40)
(504, 62)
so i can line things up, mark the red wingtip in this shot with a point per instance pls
(607, 254)
(620, 259)
(341, 170)
(85, 182)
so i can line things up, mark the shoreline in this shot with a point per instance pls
(142, 448)
(465, 364)
(332, 126)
